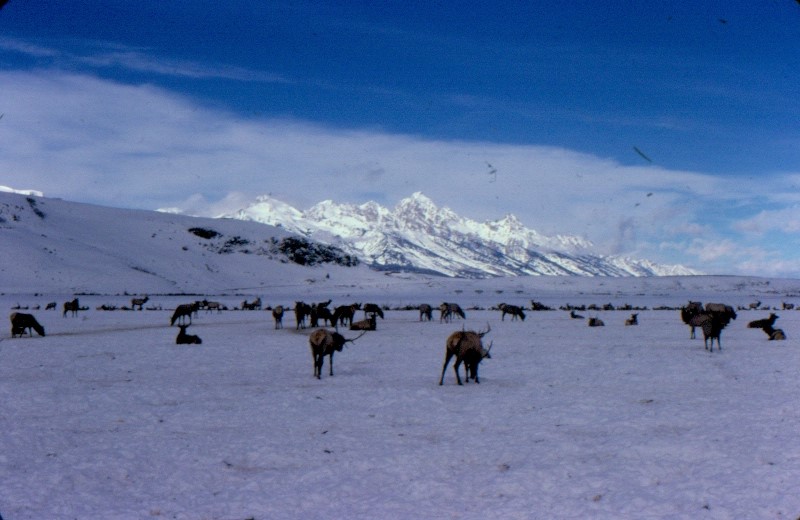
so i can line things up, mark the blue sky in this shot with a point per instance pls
(666, 130)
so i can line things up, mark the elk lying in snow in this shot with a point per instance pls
(183, 311)
(139, 302)
(255, 305)
(277, 315)
(467, 347)
(187, 339)
(447, 310)
(755, 305)
(633, 320)
(72, 306)
(767, 325)
(50, 306)
(368, 324)
(20, 322)
(325, 343)
(575, 316)
(787, 306)
(596, 322)
(514, 310)
(766, 322)
(425, 312)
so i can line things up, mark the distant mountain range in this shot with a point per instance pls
(419, 236)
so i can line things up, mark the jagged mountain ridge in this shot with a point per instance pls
(417, 235)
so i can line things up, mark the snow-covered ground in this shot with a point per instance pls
(106, 417)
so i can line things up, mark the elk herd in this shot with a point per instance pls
(466, 346)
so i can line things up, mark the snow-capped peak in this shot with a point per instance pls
(419, 235)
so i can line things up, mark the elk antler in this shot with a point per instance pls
(488, 328)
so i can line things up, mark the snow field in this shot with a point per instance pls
(107, 418)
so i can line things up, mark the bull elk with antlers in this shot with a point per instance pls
(324, 343)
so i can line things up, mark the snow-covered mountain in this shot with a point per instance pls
(417, 235)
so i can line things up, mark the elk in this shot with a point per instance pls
(71, 306)
(467, 347)
(255, 305)
(712, 320)
(20, 322)
(139, 302)
(575, 316)
(425, 312)
(787, 306)
(324, 343)
(320, 311)
(187, 339)
(368, 324)
(344, 313)
(50, 306)
(690, 311)
(372, 309)
(184, 310)
(301, 310)
(767, 325)
(448, 309)
(277, 315)
(596, 322)
(633, 320)
(514, 310)
(755, 305)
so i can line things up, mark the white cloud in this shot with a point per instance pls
(86, 139)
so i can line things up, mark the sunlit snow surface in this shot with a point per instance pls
(106, 417)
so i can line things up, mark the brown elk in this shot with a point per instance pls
(425, 312)
(633, 320)
(324, 343)
(277, 315)
(187, 339)
(368, 324)
(50, 306)
(301, 310)
(447, 310)
(139, 302)
(372, 309)
(595, 322)
(712, 320)
(514, 310)
(21, 322)
(183, 311)
(688, 312)
(255, 305)
(467, 347)
(343, 314)
(72, 306)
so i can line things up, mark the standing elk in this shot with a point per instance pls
(712, 320)
(21, 322)
(325, 343)
(50, 306)
(187, 339)
(514, 310)
(447, 310)
(183, 311)
(343, 314)
(277, 315)
(139, 302)
(425, 312)
(301, 310)
(688, 312)
(71, 306)
(372, 309)
(467, 347)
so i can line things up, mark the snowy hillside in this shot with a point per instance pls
(51, 245)
(417, 235)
